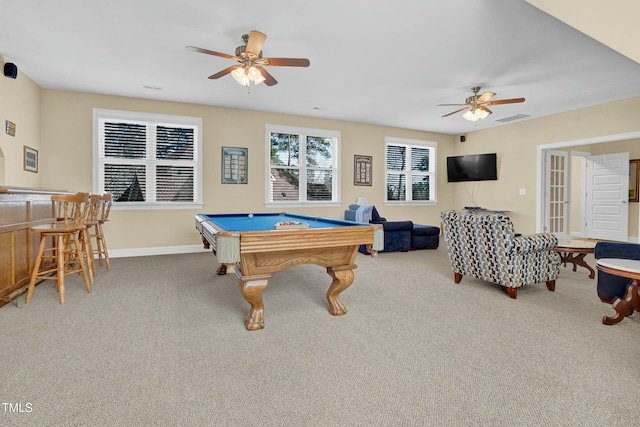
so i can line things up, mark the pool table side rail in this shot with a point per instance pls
(278, 240)
(203, 223)
(268, 241)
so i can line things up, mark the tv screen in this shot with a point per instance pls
(473, 167)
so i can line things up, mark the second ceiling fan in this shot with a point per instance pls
(250, 67)
(477, 105)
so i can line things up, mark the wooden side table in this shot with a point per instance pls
(573, 251)
(628, 268)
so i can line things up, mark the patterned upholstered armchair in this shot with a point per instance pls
(484, 246)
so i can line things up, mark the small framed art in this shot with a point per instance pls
(235, 162)
(362, 169)
(10, 128)
(30, 159)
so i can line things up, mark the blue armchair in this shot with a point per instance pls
(397, 234)
(609, 286)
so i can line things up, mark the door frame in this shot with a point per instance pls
(566, 191)
(540, 155)
(583, 190)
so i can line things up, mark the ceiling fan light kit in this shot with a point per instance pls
(476, 106)
(246, 75)
(476, 114)
(251, 63)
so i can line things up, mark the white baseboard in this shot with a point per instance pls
(162, 250)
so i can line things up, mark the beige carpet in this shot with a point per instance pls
(161, 342)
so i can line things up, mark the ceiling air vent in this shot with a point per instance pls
(512, 118)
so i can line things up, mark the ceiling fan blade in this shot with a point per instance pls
(450, 105)
(256, 40)
(457, 111)
(209, 52)
(505, 101)
(223, 72)
(483, 108)
(269, 80)
(485, 97)
(286, 62)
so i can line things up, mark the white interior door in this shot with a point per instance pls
(556, 193)
(607, 207)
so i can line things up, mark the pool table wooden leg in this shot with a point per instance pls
(251, 289)
(342, 279)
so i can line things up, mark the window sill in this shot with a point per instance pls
(416, 203)
(302, 204)
(140, 206)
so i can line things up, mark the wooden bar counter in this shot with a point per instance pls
(20, 209)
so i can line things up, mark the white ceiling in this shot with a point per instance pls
(372, 61)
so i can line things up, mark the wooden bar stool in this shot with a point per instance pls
(98, 232)
(95, 204)
(67, 250)
(83, 236)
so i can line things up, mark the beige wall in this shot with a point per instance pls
(67, 153)
(612, 23)
(20, 104)
(59, 124)
(517, 144)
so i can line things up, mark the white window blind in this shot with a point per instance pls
(148, 160)
(410, 170)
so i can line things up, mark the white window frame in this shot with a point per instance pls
(335, 169)
(433, 171)
(152, 119)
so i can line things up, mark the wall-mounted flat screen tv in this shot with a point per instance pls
(472, 167)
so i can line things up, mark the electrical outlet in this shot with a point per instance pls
(523, 191)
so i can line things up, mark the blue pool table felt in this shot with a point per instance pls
(267, 221)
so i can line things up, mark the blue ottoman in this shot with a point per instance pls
(425, 237)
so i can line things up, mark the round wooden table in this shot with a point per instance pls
(573, 251)
(630, 269)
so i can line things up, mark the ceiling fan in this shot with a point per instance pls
(477, 105)
(250, 61)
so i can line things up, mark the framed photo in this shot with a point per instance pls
(362, 170)
(30, 159)
(10, 128)
(634, 170)
(235, 163)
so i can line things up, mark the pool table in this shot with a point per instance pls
(252, 247)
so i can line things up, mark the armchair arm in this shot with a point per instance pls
(534, 243)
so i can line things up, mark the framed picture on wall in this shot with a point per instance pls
(634, 166)
(30, 159)
(362, 170)
(235, 162)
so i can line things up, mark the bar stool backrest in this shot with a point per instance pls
(72, 209)
(95, 205)
(105, 207)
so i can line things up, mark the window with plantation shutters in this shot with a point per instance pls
(410, 171)
(147, 160)
(302, 166)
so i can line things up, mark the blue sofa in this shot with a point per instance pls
(609, 286)
(397, 234)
